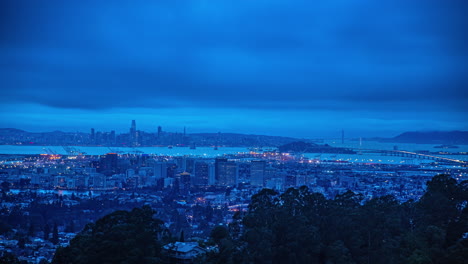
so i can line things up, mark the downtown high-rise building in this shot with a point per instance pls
(185, 181)
(133, 134)
(92, 136)
(159, 131)
(226, 172)
(204, 173)
(189, 165)
(257, 173)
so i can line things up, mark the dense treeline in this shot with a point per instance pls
(300, 227)
(303, 227)
(120, 237)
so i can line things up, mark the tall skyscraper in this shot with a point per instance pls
(133, 134)
(92, 136)
(133, 127)
(257, 173)
(159, 131)
(226, 172)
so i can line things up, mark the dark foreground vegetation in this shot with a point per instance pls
(298, 227)
(120, 237)
(302, 227)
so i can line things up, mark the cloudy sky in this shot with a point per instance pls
(295, 68)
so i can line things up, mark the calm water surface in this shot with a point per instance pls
(209, 152)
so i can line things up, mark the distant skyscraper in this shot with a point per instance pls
(226, 172)
(92, 136)
(133, 134)
(257, 173)
(112, 137)
(98, 138)
(159, 131)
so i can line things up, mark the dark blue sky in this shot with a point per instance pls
(297, 68)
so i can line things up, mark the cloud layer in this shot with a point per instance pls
(406, 56)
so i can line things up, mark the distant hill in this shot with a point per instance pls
(11, 131)
(305, 147)
(432, 137)
(236, 139)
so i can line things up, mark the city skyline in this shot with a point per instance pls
(184, 130)
(233, 131)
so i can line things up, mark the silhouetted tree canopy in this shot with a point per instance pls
(120, 237)
(303, 227)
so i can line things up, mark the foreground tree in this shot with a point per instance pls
(120, 237)
(303, 227)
